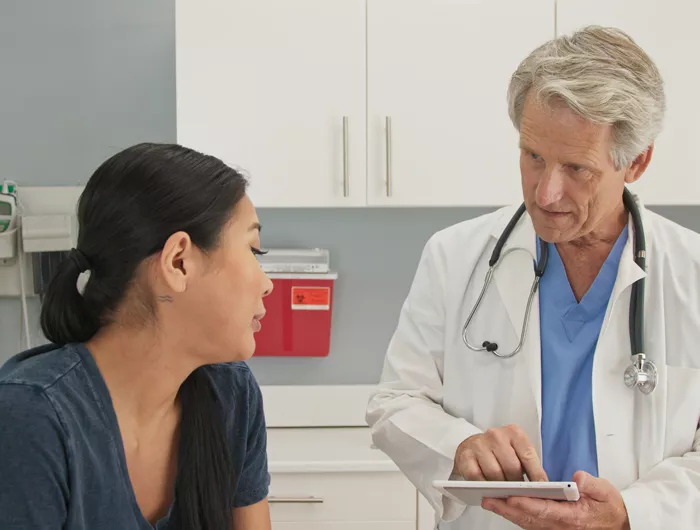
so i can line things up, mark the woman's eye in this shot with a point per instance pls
(258, 252)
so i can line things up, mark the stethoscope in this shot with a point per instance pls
(641, 374)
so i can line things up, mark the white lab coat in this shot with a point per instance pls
(434, 392)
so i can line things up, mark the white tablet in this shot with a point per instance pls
(472, 492)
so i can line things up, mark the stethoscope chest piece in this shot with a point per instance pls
(642, 374)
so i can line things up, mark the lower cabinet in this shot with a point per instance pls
(342, 500)
(325, 473)
(340, 525)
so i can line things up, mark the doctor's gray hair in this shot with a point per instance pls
(602, 75)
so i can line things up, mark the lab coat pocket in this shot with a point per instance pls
(501, 391)
(682, 409)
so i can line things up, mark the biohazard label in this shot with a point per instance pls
(311, 298)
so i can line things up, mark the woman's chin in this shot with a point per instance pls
(238, 352)
(249, 350)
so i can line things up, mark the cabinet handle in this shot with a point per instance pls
(346, 158)
(296, 500)
(389, 168)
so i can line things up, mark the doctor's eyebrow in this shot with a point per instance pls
(587, 167)
(527, 149)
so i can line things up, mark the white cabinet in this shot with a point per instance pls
(389, 102)
(268, 85)
(667, 31)
(331, 478)
(282, 88)
(342, 497)
(366, 525)
(325, 472)
(439, 71)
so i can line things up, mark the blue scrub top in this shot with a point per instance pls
(569, 333)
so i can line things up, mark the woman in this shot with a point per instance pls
(140, 414)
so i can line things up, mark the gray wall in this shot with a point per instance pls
(81, 79)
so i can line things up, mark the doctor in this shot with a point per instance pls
(558, 407)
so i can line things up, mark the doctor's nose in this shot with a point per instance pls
(550, 188)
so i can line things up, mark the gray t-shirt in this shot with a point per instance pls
(62, 463)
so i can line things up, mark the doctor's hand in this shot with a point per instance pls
(503, 453)
(600, 508)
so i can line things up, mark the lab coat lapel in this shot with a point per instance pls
(621, 414)
(627, 274)
(513, 279)
(628, 271)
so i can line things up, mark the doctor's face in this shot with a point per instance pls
(570, 184)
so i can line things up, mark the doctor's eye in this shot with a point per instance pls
(535, 157)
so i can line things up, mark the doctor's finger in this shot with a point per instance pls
(522, 519)
(528, 458)
(509, 461)
(490, 466)
(471, 470)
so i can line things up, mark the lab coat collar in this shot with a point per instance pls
(629, 272)
(524, 237)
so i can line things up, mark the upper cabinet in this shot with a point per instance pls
(402, 103)
(438, 72)
(277, 88)
(667, 31)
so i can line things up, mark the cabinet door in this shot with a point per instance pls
(667, 31)
(342, 496)
(347, 525)
(277, 88)
(438, 73)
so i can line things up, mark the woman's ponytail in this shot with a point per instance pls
(65, 317)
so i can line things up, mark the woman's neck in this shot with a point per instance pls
(143, 372)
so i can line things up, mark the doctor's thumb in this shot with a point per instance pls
(595, 488)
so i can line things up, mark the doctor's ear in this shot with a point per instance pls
(177, 262)
(639, 165)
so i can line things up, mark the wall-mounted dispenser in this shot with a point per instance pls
(8, 220)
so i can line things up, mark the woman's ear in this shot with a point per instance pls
(177, 262)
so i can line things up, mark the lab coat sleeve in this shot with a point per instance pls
(405, 413)
(668, 496)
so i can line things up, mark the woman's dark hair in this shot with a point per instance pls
(131, 205)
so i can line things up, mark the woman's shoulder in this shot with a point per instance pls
(233, 381)
(49, 381)
(27, 411)
(232, 369)
(240, 395)
(238, 391)
(39, 368)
